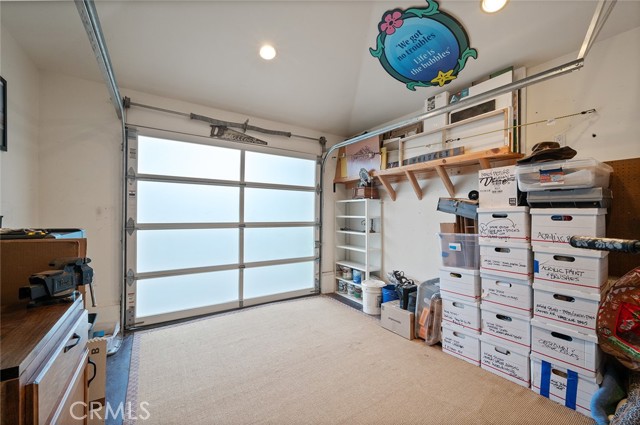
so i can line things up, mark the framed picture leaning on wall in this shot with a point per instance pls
(3, 114)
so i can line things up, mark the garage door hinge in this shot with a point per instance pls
(318, 160)
(130, 227)
(130, 278)
(242, 266)
(318, 244)
(318, 190)
(131, 175)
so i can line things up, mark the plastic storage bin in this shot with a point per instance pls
(571, 174)
(428, 312)
(460, 250)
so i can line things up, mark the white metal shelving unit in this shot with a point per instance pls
(358, 239)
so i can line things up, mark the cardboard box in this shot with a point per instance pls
(553, 227)
(507, 294)
(461, 314)
(97, 380)
(509, 330)
(507, 362)
(461, 344)
(397, 320)
(463, 284)
(512, 260)
(573, 310)
(23, 257)
(575, 394)
(498, 187)
(506, 224)
(566, 348)
(578, 269)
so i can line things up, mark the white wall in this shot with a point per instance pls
(19, 167)
(608, 82)
(80, 163)
(80, 175)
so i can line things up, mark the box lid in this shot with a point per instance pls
(498, 244)
(568, 211)
(473, 272)
(563, 330)
(498, 310)
(487, 275)
(446, 297)
(571, 252)
(504, 210)
(537, 286)
(457, 329)
(571, 163)
(510, 347)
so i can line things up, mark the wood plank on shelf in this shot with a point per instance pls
(414, 171)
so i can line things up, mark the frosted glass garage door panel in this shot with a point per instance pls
(265, 205)
(270, 280)
(171, 158)
(276, 169)
(278, 243)
(186, 248)
(177, 293)
(160, 202)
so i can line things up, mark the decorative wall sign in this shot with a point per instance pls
(422, 47)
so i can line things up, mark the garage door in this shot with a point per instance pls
(213, 227)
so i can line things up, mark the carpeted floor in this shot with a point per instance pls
(316, 361)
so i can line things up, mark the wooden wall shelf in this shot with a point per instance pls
(420, 170)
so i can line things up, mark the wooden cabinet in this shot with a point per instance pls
(358, 242)
(44, 358)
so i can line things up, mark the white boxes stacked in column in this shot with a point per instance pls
(460, 291)
(504, 233)
(568, 285)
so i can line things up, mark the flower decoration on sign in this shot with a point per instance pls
(390, 22)
(422, 47)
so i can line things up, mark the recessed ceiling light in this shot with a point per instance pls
(492, 6)
(267, 52)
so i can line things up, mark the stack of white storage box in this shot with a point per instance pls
(568, 285)
(529, 313)
(505, 269)
(460, 292)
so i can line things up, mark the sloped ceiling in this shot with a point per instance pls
(323, 78)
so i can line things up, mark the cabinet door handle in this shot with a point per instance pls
(73, 341)
(95, 372)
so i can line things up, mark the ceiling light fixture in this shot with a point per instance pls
(267, 52)
(492, 6)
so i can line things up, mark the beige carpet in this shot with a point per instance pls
(316, 361)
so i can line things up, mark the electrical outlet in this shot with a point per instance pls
(560, 139)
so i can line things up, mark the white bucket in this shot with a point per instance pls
(372, 296)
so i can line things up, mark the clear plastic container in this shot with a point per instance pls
(460, 250)
(571, 174)
(428, 312)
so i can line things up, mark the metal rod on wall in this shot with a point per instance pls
(89, 17)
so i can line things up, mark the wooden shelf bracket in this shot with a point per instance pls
(414, 183)
(387, 185)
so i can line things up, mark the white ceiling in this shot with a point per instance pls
(323, 78)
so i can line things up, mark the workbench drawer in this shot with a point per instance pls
(49, 387)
